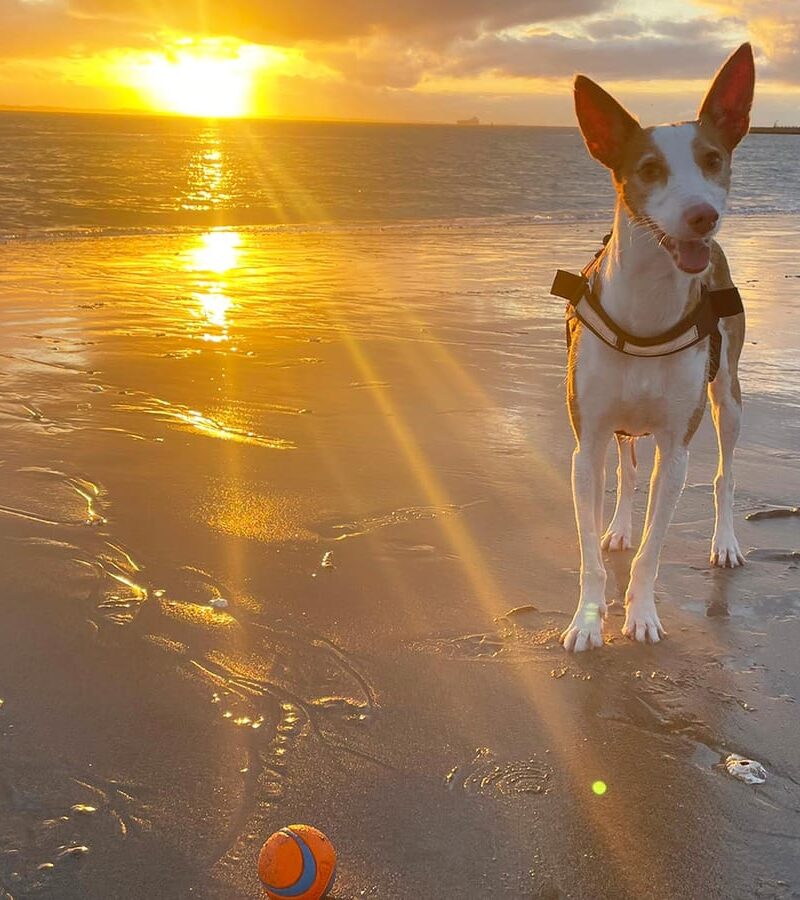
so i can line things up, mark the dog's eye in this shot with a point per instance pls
(651, 171)
(712, 161)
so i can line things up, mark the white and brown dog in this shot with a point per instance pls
(659, 265)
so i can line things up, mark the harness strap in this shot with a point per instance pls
(726, 302)
(584, 305)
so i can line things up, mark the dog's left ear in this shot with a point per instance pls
(728, 101)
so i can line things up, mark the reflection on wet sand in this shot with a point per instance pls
(216, 256)
(193, 420)
(175, 649)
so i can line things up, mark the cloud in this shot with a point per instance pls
(382, 56)
(37, 29)
(603, 29)
(282, 21)
(690, 30)
(377, 63)
(612, 50)
(774, 26)
(609, 48)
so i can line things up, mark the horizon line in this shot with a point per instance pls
(465, 125)
(158, 114)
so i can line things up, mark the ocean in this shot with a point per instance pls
(107, 174)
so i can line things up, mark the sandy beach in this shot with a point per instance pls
(287, 536)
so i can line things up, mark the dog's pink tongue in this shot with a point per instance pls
(693, 256)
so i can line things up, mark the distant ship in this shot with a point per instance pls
(473, 121)
(775, 129)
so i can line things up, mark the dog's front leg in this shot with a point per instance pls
(586, 629)
(669, 475)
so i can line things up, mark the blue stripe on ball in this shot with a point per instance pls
(308, 875)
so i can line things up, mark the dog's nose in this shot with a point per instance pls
(701, 218)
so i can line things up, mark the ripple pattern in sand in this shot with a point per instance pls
(50, 497)
(275, 686)
(119, 591)
(48, 834)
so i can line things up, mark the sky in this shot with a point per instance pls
(504, 61)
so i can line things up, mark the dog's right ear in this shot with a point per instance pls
(607, 127)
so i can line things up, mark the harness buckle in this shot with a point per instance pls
(569, 286)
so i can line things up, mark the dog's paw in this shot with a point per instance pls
(617, 538)
(725, 552)
(585, 631)
(642, 623)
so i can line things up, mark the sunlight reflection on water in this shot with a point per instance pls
(208, 176)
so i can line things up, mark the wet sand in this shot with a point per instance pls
(357, 441)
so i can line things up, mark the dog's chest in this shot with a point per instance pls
(640, 394)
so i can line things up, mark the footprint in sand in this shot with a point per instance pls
(490, 777)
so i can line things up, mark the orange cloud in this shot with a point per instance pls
(774, 26)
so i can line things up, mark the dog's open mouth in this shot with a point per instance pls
(691, 257)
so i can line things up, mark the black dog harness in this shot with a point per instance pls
(583, 305)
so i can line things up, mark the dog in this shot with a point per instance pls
(654, 276)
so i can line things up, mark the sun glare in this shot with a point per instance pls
(217, 252)
(213, 79)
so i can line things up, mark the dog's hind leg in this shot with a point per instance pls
(726, 410)
(618, 533)
(669, 474)
(588, 465)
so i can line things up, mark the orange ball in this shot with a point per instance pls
(297, 862)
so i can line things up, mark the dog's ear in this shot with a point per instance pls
(606, 126)
(727, 104)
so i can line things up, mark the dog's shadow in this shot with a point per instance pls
(718, 601)
(721, 594)
(618, 567)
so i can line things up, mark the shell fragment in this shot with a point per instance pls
(747, 770)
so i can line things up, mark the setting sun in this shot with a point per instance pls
(202, 78)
